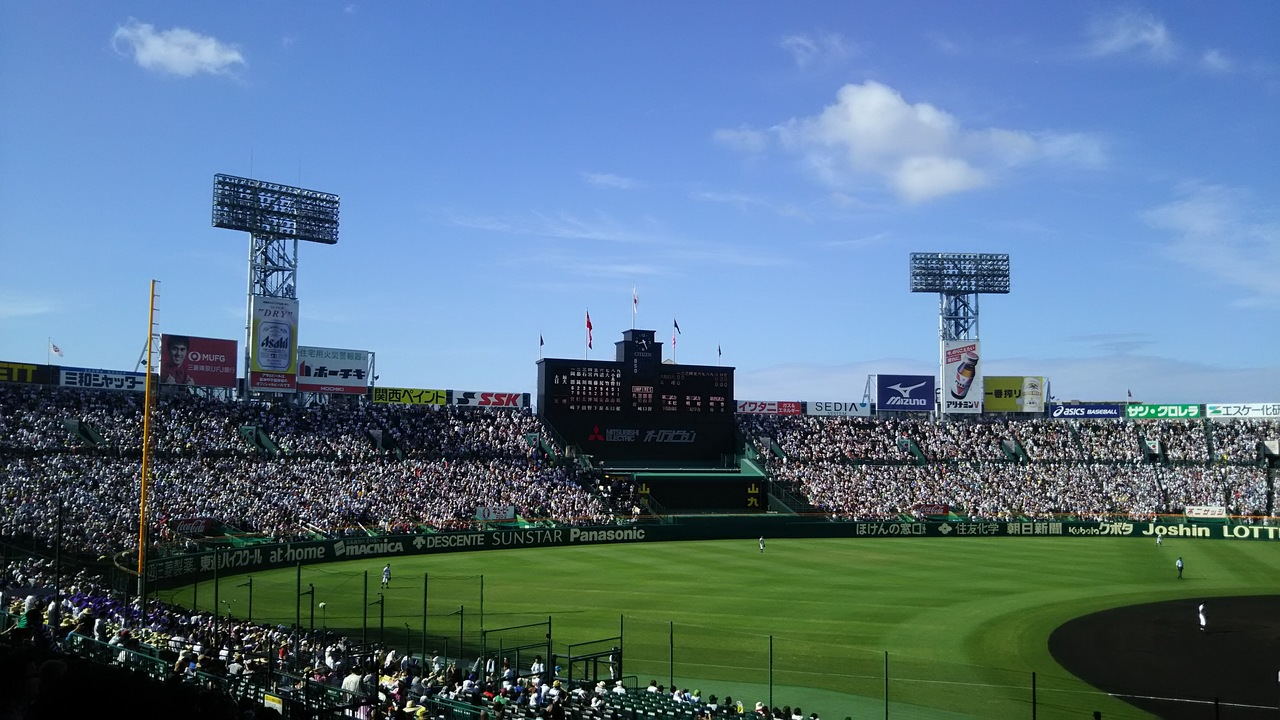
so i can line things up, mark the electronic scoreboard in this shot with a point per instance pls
(638, 408)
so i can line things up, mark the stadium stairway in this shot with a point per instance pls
(83, 431)
(258, 438)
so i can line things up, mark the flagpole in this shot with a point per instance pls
(635, 305)
(48, 350)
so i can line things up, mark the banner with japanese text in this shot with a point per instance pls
(199, 361)
(331, 370)
(1013, 393)
(273, 350)
(961, 377)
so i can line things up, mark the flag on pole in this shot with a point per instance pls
(541, 342)
(55, 349)
(676, 324)
(588, 329)
(718, 352)
(1130, 394)
(635, 300)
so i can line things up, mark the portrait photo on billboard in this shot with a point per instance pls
(197, 361)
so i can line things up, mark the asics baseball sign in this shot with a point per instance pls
(904, 393)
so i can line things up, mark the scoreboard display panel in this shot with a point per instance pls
(637, 408)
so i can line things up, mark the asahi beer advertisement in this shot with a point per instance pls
(334, 371)
(273, 355)
(961, 377)
(1012, 393)
(198, 361)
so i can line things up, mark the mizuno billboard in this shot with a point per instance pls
(904, 393)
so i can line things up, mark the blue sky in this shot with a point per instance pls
(759, 171)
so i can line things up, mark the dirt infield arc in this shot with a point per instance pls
(1156, 656)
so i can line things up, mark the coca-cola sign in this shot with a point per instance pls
(194, 527)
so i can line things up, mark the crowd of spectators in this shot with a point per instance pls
(330, 478)
(351, 467)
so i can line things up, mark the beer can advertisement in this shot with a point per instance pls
(962, 377)
(197, 361)
(273, 355)
(1013, 393)
(332, 370)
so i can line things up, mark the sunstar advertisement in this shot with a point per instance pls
(273, 356)
(961, 377)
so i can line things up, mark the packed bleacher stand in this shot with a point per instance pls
(330, 478)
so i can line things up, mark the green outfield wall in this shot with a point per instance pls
(177, 570)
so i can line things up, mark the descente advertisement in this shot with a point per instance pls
(182, 569)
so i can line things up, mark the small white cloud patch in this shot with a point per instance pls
(177, 51)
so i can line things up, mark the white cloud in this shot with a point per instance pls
(1215, 232)
(809, 50)
(742, 139)
(1216, 61)
(609, 180)
(176, 51)
(746, 203)
(920, 151)
(16, 305)
(1126, 31)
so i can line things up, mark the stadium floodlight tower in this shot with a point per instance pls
(959, 278)
(276, 218)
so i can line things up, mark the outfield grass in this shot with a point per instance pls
(961, 623)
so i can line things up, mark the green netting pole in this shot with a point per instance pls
(770, 671)
(482, 602)
(462, 615)
(424, 617)
(671, 652)
(1033, 695)
(886, 685)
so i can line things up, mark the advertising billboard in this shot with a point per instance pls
(330, 370)
(1086, 411)
(470, 398)
(410, 396)
(961, 377)
(905, 393)
(837, 408)
(103, 379)
(1228, 411)
(1013, 393)
(273, 350)
(1143, 411)
(198, 361)
(768, 407)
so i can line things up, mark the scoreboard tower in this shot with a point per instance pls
(638, 409)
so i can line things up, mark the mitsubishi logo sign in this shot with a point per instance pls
(595, 435)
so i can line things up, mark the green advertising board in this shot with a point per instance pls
(1143, 411)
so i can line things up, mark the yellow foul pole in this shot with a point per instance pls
(148, 402)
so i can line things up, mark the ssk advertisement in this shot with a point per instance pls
(198, 361)
(961, 377)
(904, 393)
(1013, 393)
(273, 355)
(330, 370)
(474, 398)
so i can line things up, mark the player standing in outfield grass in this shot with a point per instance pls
(761, 544)
(386, 576)
(1178, 565)
(1159, 540)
